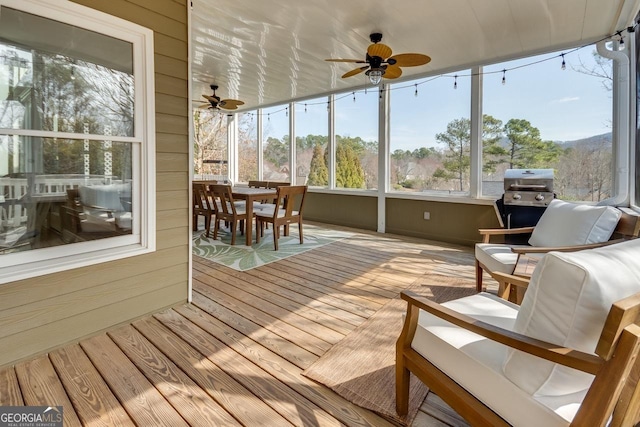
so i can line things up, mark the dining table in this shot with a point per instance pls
(251, 195)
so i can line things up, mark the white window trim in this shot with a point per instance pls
(27, 264)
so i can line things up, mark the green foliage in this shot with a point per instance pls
(492, 151)
(318, 171)
(349, 172)
(457, 152)
(311, 141)
(525, 147)
(277, 151)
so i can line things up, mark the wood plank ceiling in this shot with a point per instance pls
(272, 51)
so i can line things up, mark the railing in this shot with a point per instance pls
(12, 190)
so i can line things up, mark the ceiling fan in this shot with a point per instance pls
(216, 103)
(380, 63)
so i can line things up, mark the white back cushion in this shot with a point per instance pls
(567, 303)
(567, 224)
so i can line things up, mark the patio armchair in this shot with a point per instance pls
(563, 227)
(286, 210)
(567, 356)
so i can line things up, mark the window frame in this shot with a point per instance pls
(33, 263)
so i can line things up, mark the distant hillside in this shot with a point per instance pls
(592, 141)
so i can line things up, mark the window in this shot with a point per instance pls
(430, 136)
(76, 155)
(312, 126)
(356, 129)
(247, 147)
(548, 117)
(275, 143)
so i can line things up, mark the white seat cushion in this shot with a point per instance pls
(496, 257)
(567, 224)
(475, 363)
(267, 212)
(566, 303)
(240, 207)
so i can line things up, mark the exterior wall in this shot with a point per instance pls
(342, 209)
(42, 313)
(450, 222)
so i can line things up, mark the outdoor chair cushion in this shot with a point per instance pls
(566, 303)
(497, 257)
(568, 224)
(475, 363)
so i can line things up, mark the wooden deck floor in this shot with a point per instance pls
(235, 355)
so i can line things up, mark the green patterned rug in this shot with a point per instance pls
(241, 257)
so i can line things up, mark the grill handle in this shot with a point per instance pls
(527, 187)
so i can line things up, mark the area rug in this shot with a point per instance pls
(241, 257)
(361, 367)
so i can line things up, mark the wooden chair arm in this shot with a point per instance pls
(565, 356)
(486, 233)
(544, 250)
(521, 282)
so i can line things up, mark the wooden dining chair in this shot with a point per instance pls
(283, 212)
(203, 206)
(227, 210)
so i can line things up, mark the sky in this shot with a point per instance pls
(564, 104)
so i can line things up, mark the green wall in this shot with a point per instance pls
(342, 209)
(450, 222)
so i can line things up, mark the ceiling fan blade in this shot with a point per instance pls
(355, 61)
(379, 49)
(228, 106)
(410, 59)
(354, 72)
(392, 72)
(205, 106)
(227, 102)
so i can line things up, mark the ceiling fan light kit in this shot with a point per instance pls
(381, 64)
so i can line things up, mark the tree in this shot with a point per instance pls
(525, 148)
(602, 69)
(318, 171)
(457, 160)
(277, 151)
(349, 173)
(209, 139)
(247, 148)
(492, 151)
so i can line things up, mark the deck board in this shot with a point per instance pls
(283, 399)
(229, 393)
(296, 314)
(286, 372)
(143, 402)
(236, 354)
(193, 403)
(289, 298)
(94, 402)
(267, 320)
(10, 394)
(41, 386)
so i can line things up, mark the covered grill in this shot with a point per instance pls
(528, 187)
(527, 193)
